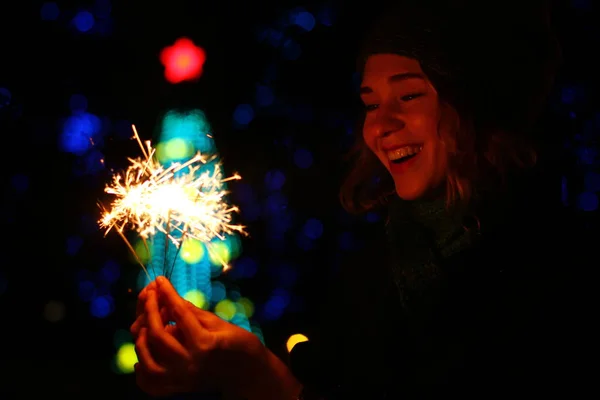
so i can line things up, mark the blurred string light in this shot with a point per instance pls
(183, 61)
(196, 266)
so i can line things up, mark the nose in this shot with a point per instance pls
(386, 121)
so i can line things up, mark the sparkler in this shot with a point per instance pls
(176, 200)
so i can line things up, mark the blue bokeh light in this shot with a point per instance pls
(101, 306)
(274, 180)
(86, 290)
(79, 133)
(291, 50)
(276, 204)
(303, 158)
(243, 114)
(313, 228)
(304, 20)
(275, 306)
(592, 181)
(218, 291)
(304, 242)
(110, 271)
(273, 37)
(5, 97)
(587, 201)
(92, 163)
(83, 21)
(49, 11)
(247, 265)
(373, 217)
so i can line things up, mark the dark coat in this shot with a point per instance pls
(506, 313)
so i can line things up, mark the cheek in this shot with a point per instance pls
(369, 138)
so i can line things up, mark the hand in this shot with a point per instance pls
(140, 315)
(201, 352)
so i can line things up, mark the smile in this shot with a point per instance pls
(404, 153)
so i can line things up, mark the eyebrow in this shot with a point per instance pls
(395, 78)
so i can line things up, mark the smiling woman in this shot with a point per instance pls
(404, 124)
(458, 290)
(426, 79)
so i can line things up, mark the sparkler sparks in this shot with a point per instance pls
(176, 200)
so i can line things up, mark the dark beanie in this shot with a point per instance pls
(496, 60)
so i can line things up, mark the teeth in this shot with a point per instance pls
(403, 152)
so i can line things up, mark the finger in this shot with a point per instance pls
(165, 316)
(145, 358)
(157, 332)
(143, 296)
(185, 319)
(151, 385)
(207, 319)
(138, 324)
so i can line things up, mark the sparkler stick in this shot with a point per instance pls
(177, 201)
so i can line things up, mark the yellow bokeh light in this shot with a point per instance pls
(192, 251)
(294, 340)
(142, 251)
(126, 358)
(219, 253)
(196, 297)
(247, 307)
(174, 149)
(226, 309)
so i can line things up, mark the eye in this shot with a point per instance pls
(371, 107)
(410, 97)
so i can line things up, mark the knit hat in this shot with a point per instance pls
(497, 61)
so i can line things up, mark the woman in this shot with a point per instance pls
(465, 294)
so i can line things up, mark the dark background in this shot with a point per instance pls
(51, 241)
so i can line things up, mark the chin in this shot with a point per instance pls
(410, 192)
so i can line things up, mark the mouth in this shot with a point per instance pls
(403, 154)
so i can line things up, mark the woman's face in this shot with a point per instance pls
(403, 124)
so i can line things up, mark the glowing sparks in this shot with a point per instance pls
(177, 200)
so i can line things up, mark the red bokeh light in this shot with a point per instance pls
(183, 61)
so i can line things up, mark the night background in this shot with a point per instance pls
(279, 90)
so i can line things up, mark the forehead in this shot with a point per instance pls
(380, 66)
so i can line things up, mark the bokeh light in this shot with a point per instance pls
(100, 77)
(84, 21)
(294, 340)
(183, 61)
